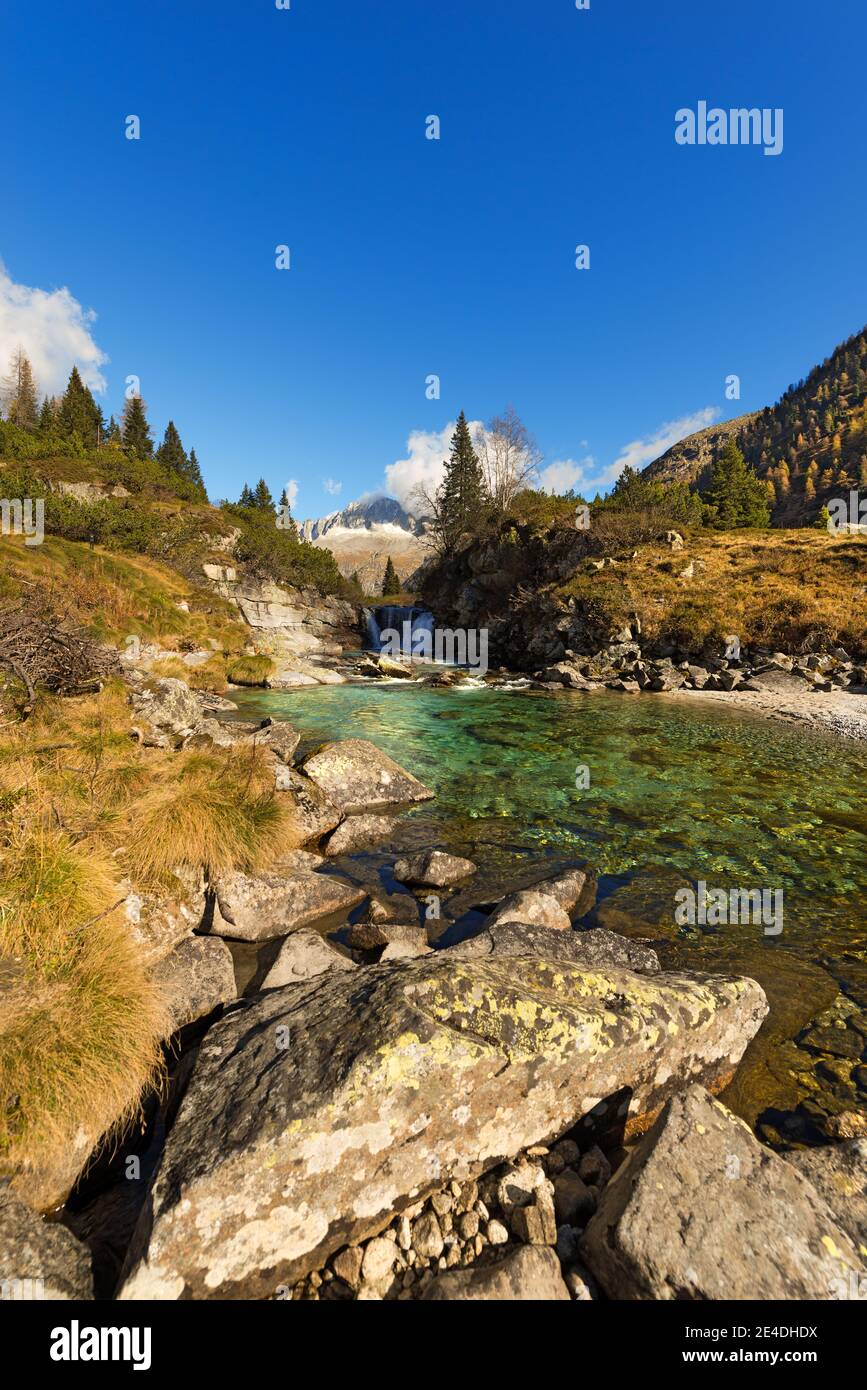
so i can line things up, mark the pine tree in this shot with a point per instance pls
(112, 434)
(79, 414)
(48, 416)
(390, 580)
(136, 431)
(171, 453)
(246, 498)
(20, 393)
(194, 475)
(262, 497)
(461, 496)
(735, 496)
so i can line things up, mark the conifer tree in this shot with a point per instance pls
(194, 475)
(20, 394)
(171, 453)
(246, 498)
(262, 497)
(735, 496)
(47, 416)
(136, 431)
(112, 434)
(462, 495)
(390, 580)
(79, 414)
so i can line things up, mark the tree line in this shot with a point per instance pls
(76, 416)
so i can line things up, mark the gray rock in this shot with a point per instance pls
(574, 1203)
(596, 947)
(356, 775)
(315, 1113)
(701, 1210)
(405, 950)
(312, 812)
(39, 1259)
(195, 979)
(838, 1172)
(302, 956)
(359, 832)
(434, 868)
(367, 936)
(574, 890)
(531, 1273)
(533, 907)
(167, 705)
(256, 907)
(281, 738)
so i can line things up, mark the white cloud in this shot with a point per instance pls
(331, 486)
(563, 474)
(291, 492)
(55, 332)
(643, 451)
(423, 466)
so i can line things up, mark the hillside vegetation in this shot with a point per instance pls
(808, 448)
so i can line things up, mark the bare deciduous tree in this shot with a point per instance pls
(509, 457)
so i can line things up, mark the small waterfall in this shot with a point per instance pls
(413, 625)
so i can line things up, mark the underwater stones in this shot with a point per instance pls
(357, 833)
(315, 1113)
(701, 1210)
(302, 956)
(256, 907)
(195, 979)
(39, 1259)
(433, 868)
(356, 775)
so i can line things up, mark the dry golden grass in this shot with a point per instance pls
(82, 807)
(250, 670)
(789, 590)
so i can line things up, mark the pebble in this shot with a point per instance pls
(497, 1233)
(427, 1237)
(378, 1260)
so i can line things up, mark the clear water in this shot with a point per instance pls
(675, 793)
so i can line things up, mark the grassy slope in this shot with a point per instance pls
(778, 589)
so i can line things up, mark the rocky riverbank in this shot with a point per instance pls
(363, 1107)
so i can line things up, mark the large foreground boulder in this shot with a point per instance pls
(529, 1274)
(702, 1210)
(256, 907)
(355, 774)
(39, 1259)
(595, 948)
(316, 1112)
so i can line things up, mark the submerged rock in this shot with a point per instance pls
(531, 1273)
(433, 868)
(255, 907)
(702, 1210)
(315, 1113)
(356, 774)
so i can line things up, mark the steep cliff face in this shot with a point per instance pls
(291, 623)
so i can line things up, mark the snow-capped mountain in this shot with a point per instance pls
(363, 534)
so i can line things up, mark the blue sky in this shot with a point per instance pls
(410, 257)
